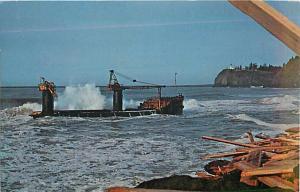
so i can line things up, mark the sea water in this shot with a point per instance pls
(91, 154)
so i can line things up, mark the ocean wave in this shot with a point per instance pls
(245, 117)
(24, 109)
(192, 105)
(216, 105)
(286, 102)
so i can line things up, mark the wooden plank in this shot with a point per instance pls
(290, 141)
(294, 163)
(243, 165)
(268, 148)
(254, 157)
(229, 142)
(289, 155)
(275, 181)
(229, 154)
(268, 170)
(250, 136)
(240, 158)
(293, 130)
(273, 21)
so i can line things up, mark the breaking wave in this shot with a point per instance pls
(286, 102)
(24, 109)
(192, 105)
(79, 97)
(216, 105)
(245, 117)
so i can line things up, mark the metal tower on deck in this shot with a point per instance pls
(118, 91)
(48, 93)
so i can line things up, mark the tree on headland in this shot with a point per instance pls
(289, 76)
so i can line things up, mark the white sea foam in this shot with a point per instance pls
(192, 104)
(24, 109)
(216, 105)
(130, 103)
(80, 97)
(245, 117)
(286, 102)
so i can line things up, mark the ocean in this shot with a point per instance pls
(91, 154)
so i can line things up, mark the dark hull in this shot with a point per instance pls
(95, 113)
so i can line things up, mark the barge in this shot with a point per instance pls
(154, 105)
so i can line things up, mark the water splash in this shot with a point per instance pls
(79, 97)
(192, 105)
(130, 104)
(24, 109)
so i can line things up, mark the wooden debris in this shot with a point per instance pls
(271, 161)
(293, 130)
(205, 175)
(226, 154)
(268, 170)
(250, 136)
(288, 155)
(229, 142)
(243, 165)
(276, 181)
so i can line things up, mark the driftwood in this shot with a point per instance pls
(250, 136)
(268, 170)
(271, 161)
(229, 142)
(288, 155)
(276, 181)
(293, 130)
(226, 154)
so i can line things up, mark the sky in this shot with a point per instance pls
(79, 42)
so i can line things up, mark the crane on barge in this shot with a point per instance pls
(117, 89)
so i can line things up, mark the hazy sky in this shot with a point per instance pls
(78, 42)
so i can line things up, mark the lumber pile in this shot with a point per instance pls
(271, 161)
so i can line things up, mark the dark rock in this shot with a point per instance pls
(209, 168)
(187, 183)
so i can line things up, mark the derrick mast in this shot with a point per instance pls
(117, 91)
(48, 93)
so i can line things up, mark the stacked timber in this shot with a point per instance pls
(271, 161)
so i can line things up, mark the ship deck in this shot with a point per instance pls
(95, 113)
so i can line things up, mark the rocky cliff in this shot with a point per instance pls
(287, 76)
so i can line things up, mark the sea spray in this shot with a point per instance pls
(130, 103)
(80, 97)
(192, 105)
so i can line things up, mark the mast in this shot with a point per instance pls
(48, 93)
(118, 91)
